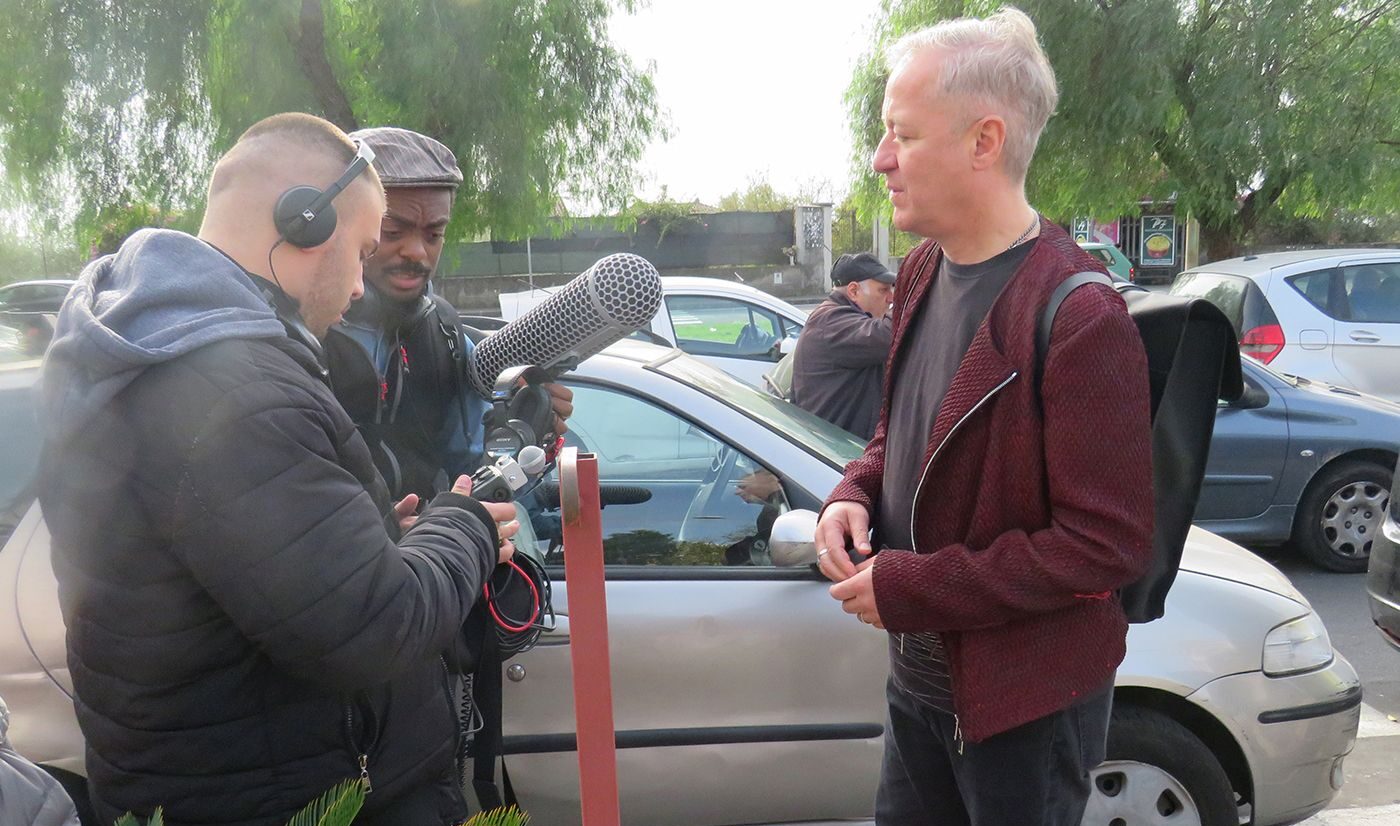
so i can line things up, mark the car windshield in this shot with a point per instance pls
(815, 435)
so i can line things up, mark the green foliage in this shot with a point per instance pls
(129, 103)
(500, 817)
(129, 819)
(661, 216)
(1235, 107)
(760, 196)
(337, 807)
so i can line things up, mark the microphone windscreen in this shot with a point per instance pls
(606, 303)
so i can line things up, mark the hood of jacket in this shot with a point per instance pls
(163, 294)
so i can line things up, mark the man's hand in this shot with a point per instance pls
(504, 514)
(561, 399)
(857, 594)
(841, 521)
(405, 511)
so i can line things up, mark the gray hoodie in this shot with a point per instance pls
(163, 294)
(28, 794)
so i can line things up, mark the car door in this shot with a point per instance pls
(1367, 342)
(1247, 452)
(738, 686)
(739, 337)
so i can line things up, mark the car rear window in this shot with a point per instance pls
(1228, 292)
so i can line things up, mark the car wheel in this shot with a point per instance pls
(1340, 514)
(77, 789)
(1158, 774)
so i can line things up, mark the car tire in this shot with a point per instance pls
(76, 787)
(1158, 772)
(1340, 513)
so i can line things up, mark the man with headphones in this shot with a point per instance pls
(251, 620)
(397, 358)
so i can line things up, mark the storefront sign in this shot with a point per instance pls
(1158, 241)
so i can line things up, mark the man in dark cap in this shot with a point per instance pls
(838, 367)
(397, 359)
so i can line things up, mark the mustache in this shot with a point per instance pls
(409, 269)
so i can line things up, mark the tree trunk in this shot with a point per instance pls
(309, 43)
(1220, 242)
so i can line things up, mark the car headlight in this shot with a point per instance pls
(1297, 645)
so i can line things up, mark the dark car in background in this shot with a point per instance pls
(1301, 461)
(1383, 582)
(44, 296)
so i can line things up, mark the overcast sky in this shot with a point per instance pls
(753, 89)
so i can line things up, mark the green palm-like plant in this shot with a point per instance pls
(500, 817)
(336, 807)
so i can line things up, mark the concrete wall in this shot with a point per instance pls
(763, 249)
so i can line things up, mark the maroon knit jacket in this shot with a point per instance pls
(1033, 507)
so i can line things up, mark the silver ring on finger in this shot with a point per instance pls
(822, 554)
(860, 616)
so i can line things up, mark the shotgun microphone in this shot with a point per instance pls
(605, 303)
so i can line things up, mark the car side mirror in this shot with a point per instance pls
(792, 542)
(1253, 397)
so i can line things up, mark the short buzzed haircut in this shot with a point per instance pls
(313, 138)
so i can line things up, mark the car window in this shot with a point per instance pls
(1102, 254)
(716, 326)
(20, 294)
(709, 503)
(1315, 287)
(1224, 291)
(812, 433)
(1372, 293)
(20, 432)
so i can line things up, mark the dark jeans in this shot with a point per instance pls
(1033, 775)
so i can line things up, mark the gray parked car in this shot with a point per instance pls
(1383, 582)
(1301, 460)
(739, 684)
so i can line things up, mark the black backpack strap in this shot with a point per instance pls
(1047, 317)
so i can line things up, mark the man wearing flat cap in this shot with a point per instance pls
(838, 367)
(397, 359)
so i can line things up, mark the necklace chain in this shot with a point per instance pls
(1035, 222)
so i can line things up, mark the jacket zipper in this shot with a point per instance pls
(914, 507)
(923, 477)
(362, 758)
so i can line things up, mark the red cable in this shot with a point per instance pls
(534, 599)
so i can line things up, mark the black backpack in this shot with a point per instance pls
(1193, 362)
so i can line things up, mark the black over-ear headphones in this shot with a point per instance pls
(304, 215)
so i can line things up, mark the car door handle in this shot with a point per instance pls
(1364, 336)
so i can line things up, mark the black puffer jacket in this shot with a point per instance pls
(242, 625)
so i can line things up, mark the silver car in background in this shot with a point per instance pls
(1332, 315)
(744, 696)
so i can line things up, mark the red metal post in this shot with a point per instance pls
(588, 637)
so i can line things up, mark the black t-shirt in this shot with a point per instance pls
(937, 339)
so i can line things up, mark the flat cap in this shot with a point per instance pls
(406, 158)
(852, 268)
